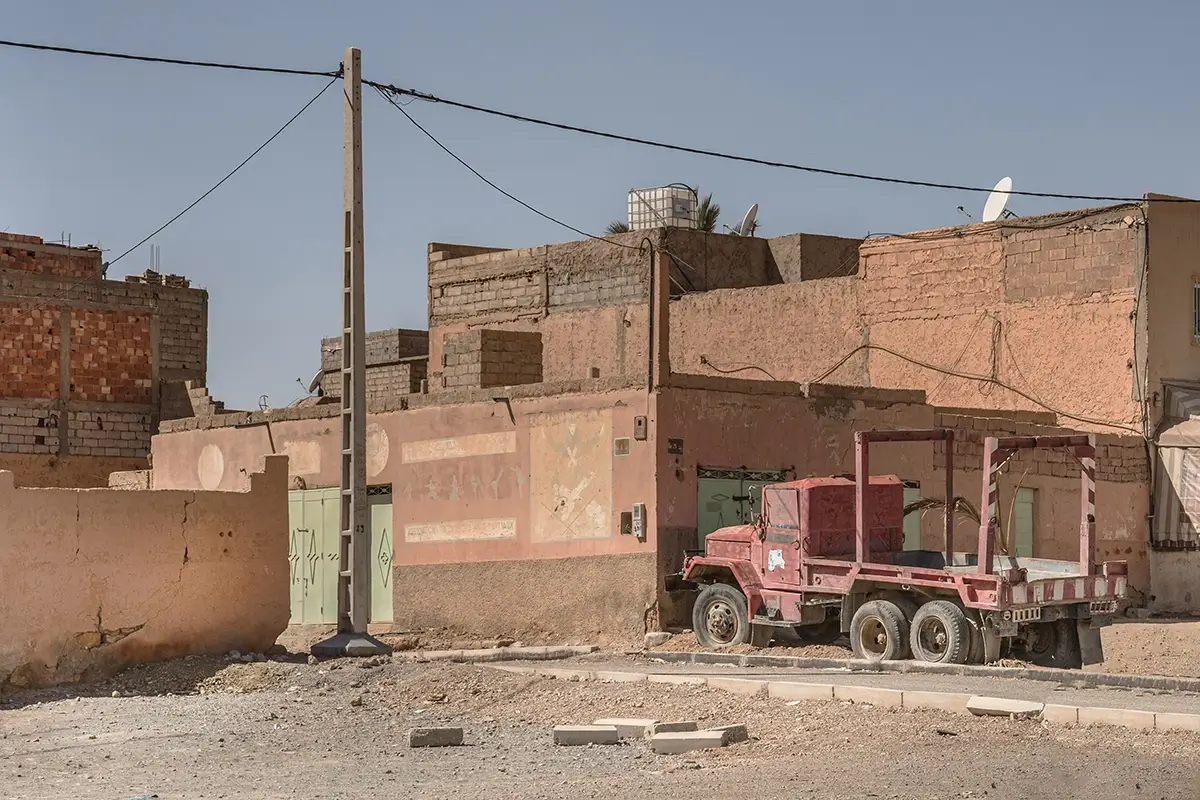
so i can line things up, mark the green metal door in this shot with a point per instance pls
(379, 501)
(313, 556)
(1023, 522)
(730, 496)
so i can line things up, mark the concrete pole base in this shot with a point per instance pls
(352, 645)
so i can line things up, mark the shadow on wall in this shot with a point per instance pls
(110, 578)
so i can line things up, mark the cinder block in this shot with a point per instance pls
(733, 734)
(884, 698)
(576, 735)
(675, 743)
(678, 680)
(1003, 707)
(938, 701)
(742, 686)
(1117, 717)
(671, 727)
(800, 691)
(1177, 722)
(1060, 715)
(435, 737)
(620, 677)
(628, 727)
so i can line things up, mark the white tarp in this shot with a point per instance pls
(1177, 496)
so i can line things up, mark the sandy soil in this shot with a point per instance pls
(205, 728)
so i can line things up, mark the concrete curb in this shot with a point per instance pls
(955, 703)
(1075, 678)
(496, 654)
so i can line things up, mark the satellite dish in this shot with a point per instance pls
(997, 200)
(747, 226)
(315, 382)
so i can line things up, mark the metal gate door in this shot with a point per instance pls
(313, 556)
(730, 496)
(379, 501)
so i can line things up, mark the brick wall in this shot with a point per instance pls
(29, 352)
(31, 254)
(110, 357)
(29, 427)
(1099, 255)
(109, 432)
(485, 358)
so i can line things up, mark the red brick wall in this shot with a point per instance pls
(29, 344)
(110, 356)
(29, 254)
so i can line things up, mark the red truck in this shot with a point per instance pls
(826, 557)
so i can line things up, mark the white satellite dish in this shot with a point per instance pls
(997, 200)
(747, 226)
(315, 383)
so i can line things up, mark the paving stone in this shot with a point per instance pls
(686, 742)
(575, 735)
(869, 695)
(733, 734)
(738, 685)
(671, 727)
(800, 691)
(1177, 722)
(1118, 717)
(435, 737)
(939, 701)
(628, 727)
(1060, 715)
(1003, 707)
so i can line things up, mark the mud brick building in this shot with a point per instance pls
(89, 367)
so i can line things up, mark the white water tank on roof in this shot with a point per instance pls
(662, 207)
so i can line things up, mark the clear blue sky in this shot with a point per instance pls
(1086, 97)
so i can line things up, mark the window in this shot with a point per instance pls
(1196, 310)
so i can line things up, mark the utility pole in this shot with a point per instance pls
(354, 551)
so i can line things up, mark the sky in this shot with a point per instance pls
(1076, 97)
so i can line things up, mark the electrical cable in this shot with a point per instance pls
(21, 313)
(176, 61)
(837, 173)
(975, 377)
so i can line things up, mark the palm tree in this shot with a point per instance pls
(707, 215)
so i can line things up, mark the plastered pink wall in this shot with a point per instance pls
(99, 579)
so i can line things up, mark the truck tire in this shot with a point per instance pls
(879, 632)
(720, 617)
(907, 605)
(1053, 644)
(940, 633)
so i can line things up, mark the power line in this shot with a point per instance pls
(393, 90)
(104, 268)
(160, 60)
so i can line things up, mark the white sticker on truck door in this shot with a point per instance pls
(774, 560)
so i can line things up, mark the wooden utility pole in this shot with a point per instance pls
(354, 551)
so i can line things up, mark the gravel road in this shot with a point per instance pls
(202, 728)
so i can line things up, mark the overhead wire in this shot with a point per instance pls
(23, 313)
(162, 60)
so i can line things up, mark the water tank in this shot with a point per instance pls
(662, 207)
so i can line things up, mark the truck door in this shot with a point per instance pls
(780, 552)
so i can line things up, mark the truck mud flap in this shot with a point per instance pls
(1090, 648)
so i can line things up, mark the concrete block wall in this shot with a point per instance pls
(485, 358)
(397, 362)
(84, 361)
(1100, 255)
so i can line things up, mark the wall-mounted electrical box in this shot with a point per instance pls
(639, 521)
(640, 431)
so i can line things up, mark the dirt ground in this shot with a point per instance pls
(207, 728)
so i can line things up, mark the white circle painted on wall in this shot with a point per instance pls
(378, 449)
(211, 467)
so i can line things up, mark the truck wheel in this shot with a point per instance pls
(906, 604)
(976, 652)
(940, 633)
(720, 617)
(879, 632)
(826, 632)
(1053, 644)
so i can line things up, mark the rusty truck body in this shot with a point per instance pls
(826, 557)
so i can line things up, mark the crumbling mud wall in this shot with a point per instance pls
(96, 580)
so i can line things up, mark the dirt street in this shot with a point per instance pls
(203, 728)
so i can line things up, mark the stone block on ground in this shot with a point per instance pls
(678, 680)
(1164, 721)
(577, 735)
(686, 742)
(869, 695)
(1117, 717)
(628, 727)
(1003, 707)
(937, 701)
(743, 686)
(656, 639)
(435, 737)
(784, 690)
(672, 727)
(733, 734)
(1060, 715)
(610, 676)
